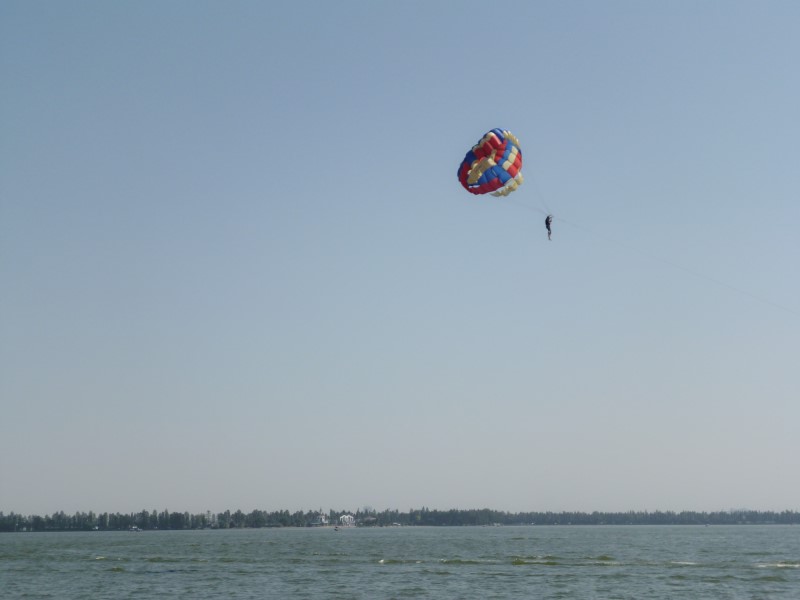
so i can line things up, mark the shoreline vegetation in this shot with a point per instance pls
(367, 517)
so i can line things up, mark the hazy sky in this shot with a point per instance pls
(237, 269)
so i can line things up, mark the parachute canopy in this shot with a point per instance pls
(494, 165)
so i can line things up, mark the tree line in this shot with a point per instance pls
(150, 520)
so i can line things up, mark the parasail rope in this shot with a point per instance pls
(674, 265)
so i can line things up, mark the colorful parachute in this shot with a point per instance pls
(494, 165)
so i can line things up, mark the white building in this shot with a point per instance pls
(319, 521)
(347, 520)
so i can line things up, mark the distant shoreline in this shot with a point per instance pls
(257, 519)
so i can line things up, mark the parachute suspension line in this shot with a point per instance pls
(540, 205)
(538, 193)
(679, 267)
(527, 206)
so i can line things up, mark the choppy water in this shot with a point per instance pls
(753, 562)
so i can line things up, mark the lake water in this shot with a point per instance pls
(752, 562)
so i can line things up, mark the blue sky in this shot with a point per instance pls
(238, 271)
